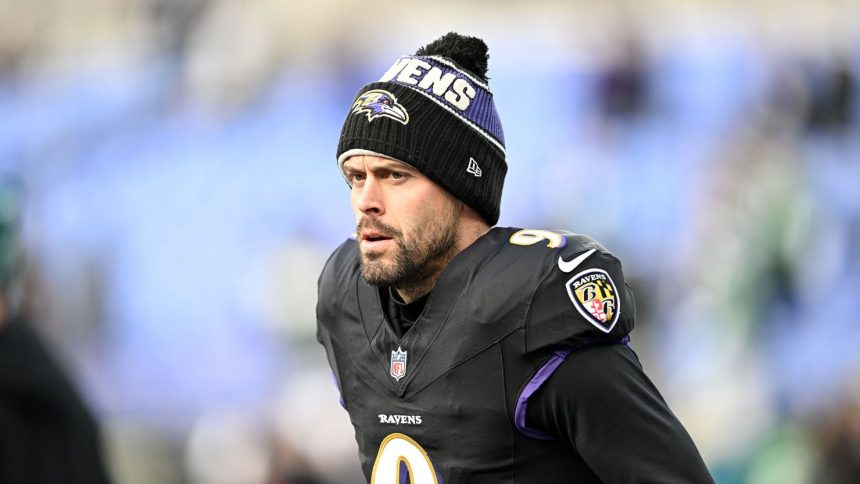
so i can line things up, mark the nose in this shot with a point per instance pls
(368, 197)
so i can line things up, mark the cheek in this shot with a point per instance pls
(353, 203)
(422, 218)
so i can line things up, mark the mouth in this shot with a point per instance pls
(372, 239)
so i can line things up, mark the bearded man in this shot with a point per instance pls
(464, 352)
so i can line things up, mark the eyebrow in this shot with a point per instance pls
(390, 165)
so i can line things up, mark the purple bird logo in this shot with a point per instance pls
(378, 103)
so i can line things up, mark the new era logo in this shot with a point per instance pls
(473, 168)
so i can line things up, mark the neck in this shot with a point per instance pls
(410, 292)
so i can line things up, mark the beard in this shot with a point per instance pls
(413, 262)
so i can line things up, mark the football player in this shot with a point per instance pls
(470, 353)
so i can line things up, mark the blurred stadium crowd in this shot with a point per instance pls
(182, 195)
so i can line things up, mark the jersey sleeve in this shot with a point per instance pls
(600, 402)
(581, 299)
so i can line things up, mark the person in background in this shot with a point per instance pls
(47, 433)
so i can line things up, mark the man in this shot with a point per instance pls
(47, 434)
(465, 353)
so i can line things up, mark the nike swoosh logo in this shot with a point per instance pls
(567, 266)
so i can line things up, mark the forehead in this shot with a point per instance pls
(372, 162)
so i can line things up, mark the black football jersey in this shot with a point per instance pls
(447, 401)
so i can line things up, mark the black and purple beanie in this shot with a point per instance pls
(434, 111)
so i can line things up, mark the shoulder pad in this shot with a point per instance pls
(581, 297)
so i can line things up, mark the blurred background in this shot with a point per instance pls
(181, 197)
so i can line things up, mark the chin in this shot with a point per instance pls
(377, 276)
(374, 269)
(372, 257)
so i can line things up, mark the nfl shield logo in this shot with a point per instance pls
(398, 364)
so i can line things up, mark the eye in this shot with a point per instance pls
(396, 175)
(355, 177)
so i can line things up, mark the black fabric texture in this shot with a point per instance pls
(401, 316)
(47, 434)
(600, 402)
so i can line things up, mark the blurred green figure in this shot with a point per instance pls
(47, 435)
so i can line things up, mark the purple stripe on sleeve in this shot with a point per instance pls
(339, 394)
(532, 386)
(542, 375)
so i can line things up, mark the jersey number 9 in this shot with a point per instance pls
(399, 455)
(533, 236)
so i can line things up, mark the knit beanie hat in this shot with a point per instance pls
(434, 111)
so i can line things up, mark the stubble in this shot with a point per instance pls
(416, 262)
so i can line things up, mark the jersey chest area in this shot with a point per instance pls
(458, 421)
(458, 428)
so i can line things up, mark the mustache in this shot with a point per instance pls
(377, 226)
